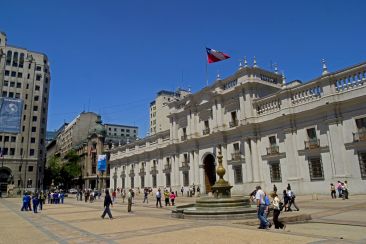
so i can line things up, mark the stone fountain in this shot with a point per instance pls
(219, 206)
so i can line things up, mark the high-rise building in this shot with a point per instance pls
(24, 75)
(120, 134)
(159, 109)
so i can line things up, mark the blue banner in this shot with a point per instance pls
(10, 114)
(102, 163)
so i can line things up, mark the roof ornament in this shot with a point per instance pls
(283, 78)
(325, 69)
(255, 62)
(240, 65)
(275, 68)
(245, 62)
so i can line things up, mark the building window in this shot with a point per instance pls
(238, 174)
(19, 85)
(362, 160)
(38, 77)
(38, 68)
(123, 182)
(20, 75)
(30, 168)
(7, 72)
(132, 182)
(31, 152)
(13, 139)
(154, 183)
(20, 168)
(36, 98)
(142, 181)
(6, 138)
(33, 140)
(29, 183)
(316, 169)
(12, 151)
(167, 180)
(34, 118)
(12, 84)
(13, 74)
(311, 134)
(6, 83)
(37, 88)
(275, 171)
(35, 108)
(185, 178)
(34, 129)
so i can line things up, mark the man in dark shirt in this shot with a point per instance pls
(107, 203)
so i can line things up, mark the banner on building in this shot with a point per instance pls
(10, 114)
(102, 163)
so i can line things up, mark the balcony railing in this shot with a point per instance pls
(183, 138)
(167, 167)
(312, 144)
(142, 170)
(154, 168)
(274, 149)
(206, 131)
(236, 156)
(233, 123)
(359, 136)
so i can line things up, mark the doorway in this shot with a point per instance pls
(4, 179)
(210, 172)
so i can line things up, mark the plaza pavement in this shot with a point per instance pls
(333, 221)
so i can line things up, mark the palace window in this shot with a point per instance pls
(362, 159)
(238, 174)
(132, 182)
(167, 180)
(154, 181)
(316, 169)
(275, 171)
(185, 178)
(142, 181)
(123, 182)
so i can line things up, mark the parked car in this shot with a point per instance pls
(73, 191)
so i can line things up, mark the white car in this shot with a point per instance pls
(73, 191)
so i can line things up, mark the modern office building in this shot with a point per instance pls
(120, 134)
(159, 109)
(269, 132)
(24, 75)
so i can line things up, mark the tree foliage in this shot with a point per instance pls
(64, 171)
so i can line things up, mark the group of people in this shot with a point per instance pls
(89, 195)
(264, 204)
(35, 199)
(169, 198)
(341, 187)
(56, 197)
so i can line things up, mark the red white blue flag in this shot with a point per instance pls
(215, 56)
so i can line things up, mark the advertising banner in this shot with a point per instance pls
(10, 114)
(102, 163)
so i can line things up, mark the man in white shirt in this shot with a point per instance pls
(261, 207)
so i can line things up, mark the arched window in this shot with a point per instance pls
(8, 57)
(15, 59)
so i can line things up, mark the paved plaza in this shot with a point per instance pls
(333, 221)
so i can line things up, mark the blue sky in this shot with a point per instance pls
(112, 57)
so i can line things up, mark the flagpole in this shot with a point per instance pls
(206, 74)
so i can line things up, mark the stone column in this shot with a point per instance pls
(242, 107)
(248, 160)
(214, 117)
(255, 161)
(291, 157)
(336, 150)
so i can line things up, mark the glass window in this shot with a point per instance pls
(316, 169)
(362, 160)
(238, 174)
(167, 180)
(6, 83)
(13, 74)
(33, 140)
(132, 182)
(154, 183)
(142, 181)
(38, 77)
(7, 72)
(13, 139)
(275, 171)
(31, 152)
(30, 168)
(185, 178)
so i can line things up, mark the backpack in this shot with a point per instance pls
(281, 205)
(266, 200)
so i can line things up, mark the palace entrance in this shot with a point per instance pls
(4, 179)
(210, 172)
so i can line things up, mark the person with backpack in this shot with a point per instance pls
(292, 196)
(277, 211)
(129, 200)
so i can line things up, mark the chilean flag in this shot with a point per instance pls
(215, 56)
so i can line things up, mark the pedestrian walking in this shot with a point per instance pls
(107, 202)
(25, 201)
(41, 200)
(166, 198)
(333, 191)
(275, 189)
(114, 194)
(261, 206)
(276, 212)
(172, 197)
(291, 195)
(129, 200)
(123, 194)
(35, 202)
(182, 190)
(339, 189)
(286, 201)
(158, 198)
(146, 194)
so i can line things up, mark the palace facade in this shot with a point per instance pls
(269, 132)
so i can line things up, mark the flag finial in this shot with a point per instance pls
(325, 69)
(218, 76)
(255, 62)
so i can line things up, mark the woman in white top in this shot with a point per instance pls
(276, 211)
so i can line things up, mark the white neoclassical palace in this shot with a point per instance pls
(269, 132)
